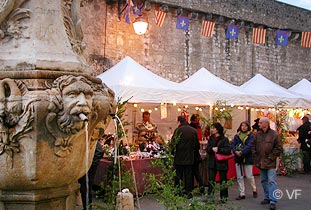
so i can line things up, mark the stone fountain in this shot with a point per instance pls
(46, 95)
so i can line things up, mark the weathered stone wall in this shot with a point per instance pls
(163, 50)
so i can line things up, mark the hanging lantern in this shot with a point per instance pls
(140, 25)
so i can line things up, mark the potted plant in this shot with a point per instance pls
(222, 112)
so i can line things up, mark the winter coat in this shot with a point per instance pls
(237, 144)
(266, 147)
(303, 135)
(184, 140)
(223, 145)
(197, 156)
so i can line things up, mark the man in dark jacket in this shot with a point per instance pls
(303, 138)
(195, 123)
(184, 138)
(266, 148)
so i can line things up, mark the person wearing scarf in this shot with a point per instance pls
(241, 147)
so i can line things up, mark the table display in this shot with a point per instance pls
(142, 168)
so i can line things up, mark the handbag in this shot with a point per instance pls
(222, 157)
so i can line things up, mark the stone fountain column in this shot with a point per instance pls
(47, 94)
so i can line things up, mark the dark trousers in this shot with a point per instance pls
(306, 161)
(184, 175)
(86, 188)
(196, 173)
(211, 179)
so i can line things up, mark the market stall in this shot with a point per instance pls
(165, 100)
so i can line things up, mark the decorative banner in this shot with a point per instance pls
(159, 18)
(259, 36)
(127, 11)
(137, 10)
(232, 32)
(207, 28)
(163, 111)
(306, 39)
(182, 23)
(281, 37)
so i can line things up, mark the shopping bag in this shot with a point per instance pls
(222, 157)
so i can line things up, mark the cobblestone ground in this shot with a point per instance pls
(294, 192)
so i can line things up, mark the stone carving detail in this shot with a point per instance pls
(16, 115)
(11, 13)
(99, 64)
(72, 22)
(71, 100)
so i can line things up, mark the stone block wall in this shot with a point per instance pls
(163, 50)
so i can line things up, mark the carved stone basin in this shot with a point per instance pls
(42, 144)
(47, 99)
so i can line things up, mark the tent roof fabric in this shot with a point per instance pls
(205, 80)
(131, 81)
(303, 87)
(269, 93)
(128, 79)
(130, 73)
(215, 88)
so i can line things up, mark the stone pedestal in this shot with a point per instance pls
(47, 99)
(61, 198)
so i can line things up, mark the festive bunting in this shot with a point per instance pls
(127, 11)
(159, 18)
(137, 10)
(281, 37)
(207, 28)
(232, 32)
(306, 39)
(259, 36)
(182, 23)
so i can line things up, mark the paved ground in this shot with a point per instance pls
(296, 191)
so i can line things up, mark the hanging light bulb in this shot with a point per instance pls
(140, 25)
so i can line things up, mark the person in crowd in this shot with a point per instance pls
(241, 147)
(195, 123)
(145, 132)
(255, 126)
(266, 148)
(183, 141)
(217, 143)
(304, 136)
(86, 185)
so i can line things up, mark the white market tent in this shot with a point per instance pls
(128, 79)
(267, 93)
(303, 88)
(215, 88)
